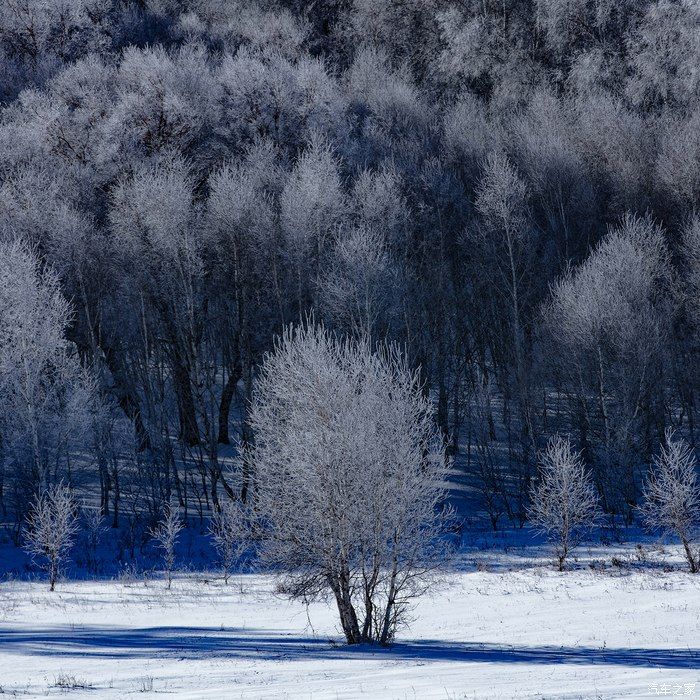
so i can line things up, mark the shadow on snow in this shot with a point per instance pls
(207, 642)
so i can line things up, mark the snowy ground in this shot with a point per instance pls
(505, 626)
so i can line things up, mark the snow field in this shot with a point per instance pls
(483, 634)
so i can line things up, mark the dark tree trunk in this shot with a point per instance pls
(690, 557)
(189, 430)
(126, 398)
(225, 404)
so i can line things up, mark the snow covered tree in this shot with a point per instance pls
(166, 104)
(564, 502)
(672, 495)
(199, 173)
(51, 528)
(394, 112)
(349, 475)
(165, 533)
(378, 202)
(40, 37)
(359, 289)
(244, 281)
(691, 258)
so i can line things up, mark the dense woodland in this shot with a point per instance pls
(505, 190)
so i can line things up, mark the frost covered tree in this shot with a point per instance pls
(505, 241)
(608, 322)
(165, 533)
(45, 396)
(311, 205)
(672, 495)
(154, 225)
(502, 203)
(231, 529)
(33, 349)
(356, 290)
(51, 528)
(564, 504)
(245, 281)
(664, 54)
(94, 529)
(40, 37)
(349, 473)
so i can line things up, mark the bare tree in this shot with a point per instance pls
(564, 502)
(672, 496)
(349, 476)
(51, 528)
(94, 524)
(165, 533)
(231, 529)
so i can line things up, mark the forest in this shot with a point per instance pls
(350, 247)
(349, 348)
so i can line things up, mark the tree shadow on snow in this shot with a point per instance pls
(205, 642)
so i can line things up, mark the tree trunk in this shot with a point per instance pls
(189, 430)
(225, 404)
(388, 612)
(116, 494)
(348, 617)
(125, 397)
(689, 556)
(53, 574)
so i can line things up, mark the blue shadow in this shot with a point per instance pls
(208, 642)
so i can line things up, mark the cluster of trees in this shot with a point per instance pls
(564, 504)
(505, 189)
